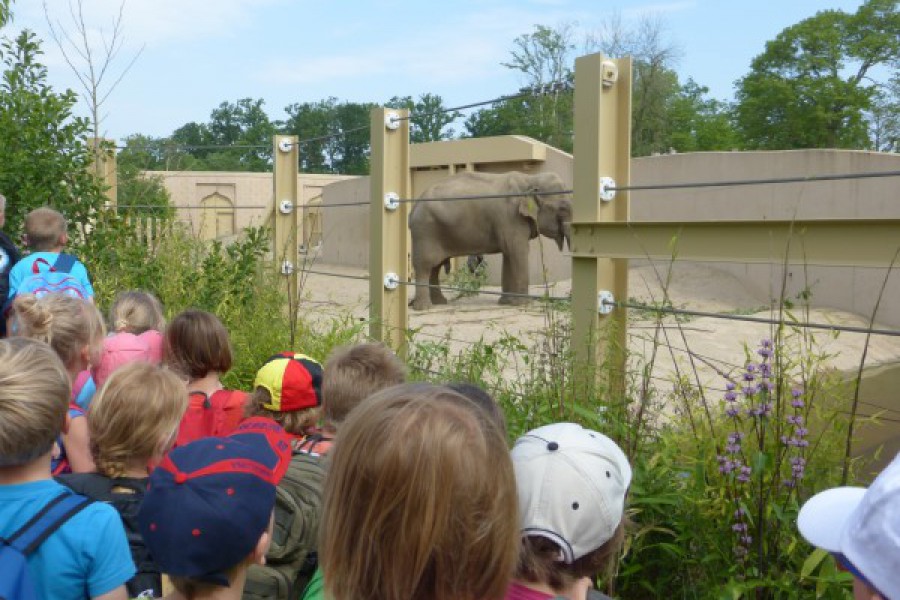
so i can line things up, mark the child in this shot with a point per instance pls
(571, 487)
(351, 374)
(48, 269)
(420, 500)
(287, 389)
(133, 421)
(136, 321)
(861, 529)
(87, 556)
(196, 346)
(9, 256)
(74, 329)
(207, 515)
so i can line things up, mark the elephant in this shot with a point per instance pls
(443, 229)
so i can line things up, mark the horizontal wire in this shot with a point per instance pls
(482, 196)
(442, 287)
(748, 319)
(158, 207)
(743, 182)
(540, 91)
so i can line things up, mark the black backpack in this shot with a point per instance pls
(125, 495)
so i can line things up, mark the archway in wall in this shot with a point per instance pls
(216, 217)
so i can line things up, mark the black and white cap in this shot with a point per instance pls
(572, 484)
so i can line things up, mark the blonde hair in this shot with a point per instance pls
(34, 397)
(197, 343)
(68, 324)
(138, 406)
(136, 312)
(295, 422)
(420, 501)
(44, 227)
(353, 373)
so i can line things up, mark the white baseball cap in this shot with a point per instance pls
(572, 483)
(862, 526)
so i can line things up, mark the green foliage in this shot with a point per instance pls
(698, 123)
(5, 11)
(45, 158)
(431, 124)
(814, 82)
(466, 281)
(339, 134)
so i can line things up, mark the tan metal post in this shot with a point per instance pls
(602, 150)
(285, 207)
(105, 167)
(388, 230)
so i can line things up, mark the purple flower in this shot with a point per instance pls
(765, 370)
(739, 513)
(739, 527)
(764, 352)
(750, 390)
(801, 432)
(732, 411)
(730, 396)
(765, 343)
(797, 403)
(794, 419)
(729, 385)
(796, 392)
(735, 436)
(746, 540)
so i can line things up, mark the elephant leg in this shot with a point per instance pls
(514, 278)
(422, 299)
(437, 297)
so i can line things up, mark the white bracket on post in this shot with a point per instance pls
(391, 201)
(391, 281)
(392, 120)
(609, 73)
(605, 302)
(287, 267)
(285, 146)
(607, 188)
(285, 207)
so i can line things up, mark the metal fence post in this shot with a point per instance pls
(285, 249)
(388, 236)
(602, 160)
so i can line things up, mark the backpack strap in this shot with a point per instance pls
(50, 518)
(309, 443)
(36, 265)
(64, 263)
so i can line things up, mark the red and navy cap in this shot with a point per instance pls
(294, 381)
(209, 501)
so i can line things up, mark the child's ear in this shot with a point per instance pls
(262, 546)
(64, 239)
(85, 356)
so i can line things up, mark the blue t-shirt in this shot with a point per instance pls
(87, 557)
(22, 270)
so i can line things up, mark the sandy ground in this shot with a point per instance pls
(716, 345)
(466, 320)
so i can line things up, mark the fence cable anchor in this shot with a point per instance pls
(392, 120)
(391, 201)
(286, 207)
(607, 189)
(605, 302)
(391, 281)
(287, 267)
(285, 146)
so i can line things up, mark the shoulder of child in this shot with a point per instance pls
(104, 544)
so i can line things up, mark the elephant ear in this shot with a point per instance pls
(528, 207)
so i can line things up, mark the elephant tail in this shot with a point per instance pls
(446, 265)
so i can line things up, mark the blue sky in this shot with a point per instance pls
(198, 53)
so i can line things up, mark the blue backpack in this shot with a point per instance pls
(17, 582)
(53, 278)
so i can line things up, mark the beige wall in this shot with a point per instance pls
(850, 288)
(219, 204)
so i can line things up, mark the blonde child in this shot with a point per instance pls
(136, 322)
(420, 500)
(133, 421)
(34, 394)
(74, 329)
(196, 346)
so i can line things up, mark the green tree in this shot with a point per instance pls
(429, 117)
(313, 122)
(5, 11)
(350, 145)
(655, 85)
(812, 85)
(698, 123)
(884, 118)
(43, 152)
